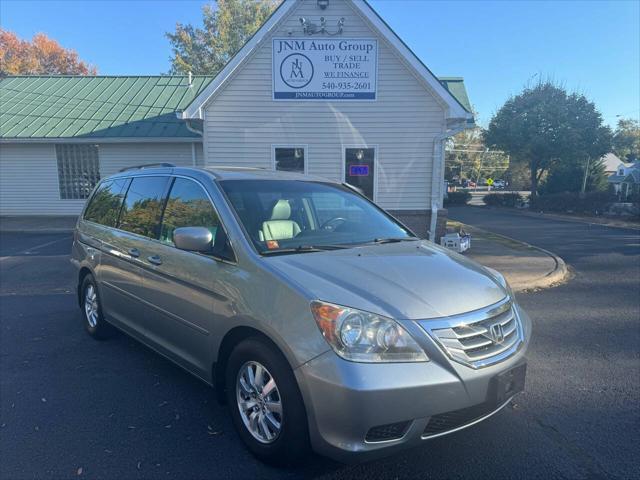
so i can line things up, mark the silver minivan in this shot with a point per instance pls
(320, 320)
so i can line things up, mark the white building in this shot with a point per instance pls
(324, 87)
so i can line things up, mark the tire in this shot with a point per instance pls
(91, 312)
(291, 443)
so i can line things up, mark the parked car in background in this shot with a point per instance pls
(499, 185)
(321, 320)
(469, 184)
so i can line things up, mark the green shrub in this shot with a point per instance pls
(457, 198)
(593, 203)
(503, 199)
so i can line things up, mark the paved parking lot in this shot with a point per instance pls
(71, 407)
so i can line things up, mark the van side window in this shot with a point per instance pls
(143, 206)
(188, 206)
(105, 204)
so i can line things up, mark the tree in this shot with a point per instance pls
(41, 56)
(626, 140)
(545, 126)
(227, 25)
(569, 177)
(467, 157)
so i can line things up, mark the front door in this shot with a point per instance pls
(359, 169)
(184, 291)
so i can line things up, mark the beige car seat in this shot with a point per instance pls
(279, 226)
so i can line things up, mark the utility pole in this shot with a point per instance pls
(480, 169)
(586, 174)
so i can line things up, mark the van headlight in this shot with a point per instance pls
(365, 337)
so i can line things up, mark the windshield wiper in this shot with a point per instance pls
(394, 240)
(305, 249)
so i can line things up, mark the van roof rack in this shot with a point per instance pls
(147, 165)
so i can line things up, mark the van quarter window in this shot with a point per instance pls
(143, 206)
(105, 205)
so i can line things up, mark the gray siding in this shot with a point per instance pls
(242, 122)
(29, 173)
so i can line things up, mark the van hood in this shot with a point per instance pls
(405, 281)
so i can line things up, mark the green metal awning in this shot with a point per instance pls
(55, 107)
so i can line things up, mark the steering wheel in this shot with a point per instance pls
(333, 223)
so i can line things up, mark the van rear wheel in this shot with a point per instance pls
(91, 309)
(266, 406)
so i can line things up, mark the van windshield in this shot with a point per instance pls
(290, 216)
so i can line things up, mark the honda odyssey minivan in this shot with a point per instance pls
(321, 321)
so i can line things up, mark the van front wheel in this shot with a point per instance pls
(266, 405)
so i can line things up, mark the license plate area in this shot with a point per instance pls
(506, 384)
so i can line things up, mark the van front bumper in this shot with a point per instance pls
(403, 404)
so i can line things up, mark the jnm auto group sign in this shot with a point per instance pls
(324, 69)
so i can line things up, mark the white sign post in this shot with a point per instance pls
(325, 69)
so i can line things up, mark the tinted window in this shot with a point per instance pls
(143, 206)
(289, 159)
(104, 207)
(188, 206)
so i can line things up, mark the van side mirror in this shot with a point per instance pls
(193, 239)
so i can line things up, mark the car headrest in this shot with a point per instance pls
(281, 210)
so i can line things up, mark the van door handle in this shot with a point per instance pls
(134, 252)
(155, 260)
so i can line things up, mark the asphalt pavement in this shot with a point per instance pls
(71, 407)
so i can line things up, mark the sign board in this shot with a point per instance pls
(489, 181)
(325, 69)
(358, 170)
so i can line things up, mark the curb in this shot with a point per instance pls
(553, 278)
(559, 218)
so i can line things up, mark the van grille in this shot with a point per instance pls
(478, 338)
(454, 419)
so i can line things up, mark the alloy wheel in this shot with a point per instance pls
(259, 402)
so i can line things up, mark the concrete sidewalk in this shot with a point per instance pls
(38, 224)
(524, 266)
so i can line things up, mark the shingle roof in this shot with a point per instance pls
(96, 106)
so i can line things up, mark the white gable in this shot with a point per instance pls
(405, 124)
(286, 21)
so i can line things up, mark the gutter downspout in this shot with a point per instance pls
(191, 128)
(436, 181)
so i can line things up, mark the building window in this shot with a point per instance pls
(289, 158)
(78, 170)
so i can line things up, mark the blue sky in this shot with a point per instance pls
(497, 46)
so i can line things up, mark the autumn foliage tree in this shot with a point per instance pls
(40, 56)
(227, 25)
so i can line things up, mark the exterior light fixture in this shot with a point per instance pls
(310, 28)
(360, 155)
(323, 4)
